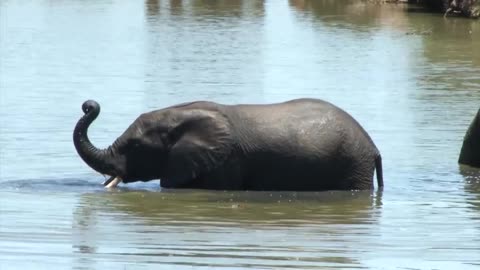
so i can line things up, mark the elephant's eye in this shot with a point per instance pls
(134, 143)
(164, 139)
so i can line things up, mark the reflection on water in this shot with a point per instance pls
(410, 78)
(208, 44)
(223, 229)
(352, 14)
(472, 187)
(239, 207)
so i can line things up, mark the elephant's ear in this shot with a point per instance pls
(200, 142)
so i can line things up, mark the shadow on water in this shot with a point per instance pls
(227, 229)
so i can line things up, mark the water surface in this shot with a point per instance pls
(410, 78)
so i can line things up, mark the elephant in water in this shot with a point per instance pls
(299, 145)
(470, 152)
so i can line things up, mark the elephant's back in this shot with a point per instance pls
(299, 127)
(298, 110)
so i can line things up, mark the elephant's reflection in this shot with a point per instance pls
(240, 207)
(472, 185)
(186, 220)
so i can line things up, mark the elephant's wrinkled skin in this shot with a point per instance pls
(301, 145)
(470, 152)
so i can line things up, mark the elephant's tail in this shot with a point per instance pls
(379, 170)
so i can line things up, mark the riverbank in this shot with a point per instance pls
(464, 8)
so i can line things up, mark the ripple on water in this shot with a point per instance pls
(75, 185)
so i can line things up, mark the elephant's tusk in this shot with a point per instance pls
(110, 179)
(112, 182)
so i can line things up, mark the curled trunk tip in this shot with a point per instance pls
(91, 106)
(97, 159)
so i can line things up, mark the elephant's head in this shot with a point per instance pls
(470, 153)
(175, 144)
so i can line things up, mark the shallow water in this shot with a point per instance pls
(410, 78)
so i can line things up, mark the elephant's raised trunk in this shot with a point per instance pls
(98, 159)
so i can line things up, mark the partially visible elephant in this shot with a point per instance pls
(470, 152)
(299, 145)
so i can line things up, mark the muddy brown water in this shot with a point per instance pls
(412, 79)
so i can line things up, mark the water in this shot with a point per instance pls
(410, 78)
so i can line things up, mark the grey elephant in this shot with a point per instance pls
(470, 152)
(298, 145)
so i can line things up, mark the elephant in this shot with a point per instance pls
(297, 145)
(470, 151)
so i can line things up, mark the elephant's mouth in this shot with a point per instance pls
(112, 182)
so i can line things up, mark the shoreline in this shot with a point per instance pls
(450, 8)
